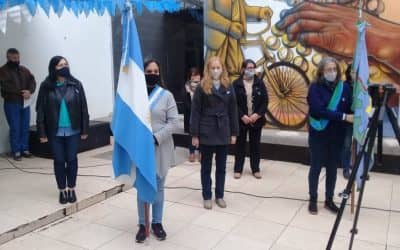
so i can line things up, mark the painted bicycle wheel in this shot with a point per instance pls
(287, 87)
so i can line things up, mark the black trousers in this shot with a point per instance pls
(207, 152)
(254, 142)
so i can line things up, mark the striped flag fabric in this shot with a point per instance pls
(134, 152)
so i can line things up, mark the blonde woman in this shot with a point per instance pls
(214, 125)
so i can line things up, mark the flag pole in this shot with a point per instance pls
(353, 187)
(146, 218)
(354, 144)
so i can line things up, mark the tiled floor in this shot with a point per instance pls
(277, 221)
(31, 184)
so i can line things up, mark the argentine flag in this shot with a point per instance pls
(134, 153)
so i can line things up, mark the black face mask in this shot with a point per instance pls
(63, 72)
(13, 64)
(152, 79)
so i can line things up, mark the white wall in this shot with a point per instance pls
(85, 42)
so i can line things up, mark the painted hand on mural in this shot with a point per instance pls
(236, 30)
(331, 28)
(225, 25)
(265, 13)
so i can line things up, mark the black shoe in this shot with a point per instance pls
(346, 174)
(63, 197)
(17, 156)
(312, 207)
(71, 196)
(331, 206)
(27, 154)
(158, 231)
(141, 234)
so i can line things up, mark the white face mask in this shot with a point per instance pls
(216, 73)
(330, 76)
(249, 73)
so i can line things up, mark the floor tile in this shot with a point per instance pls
(92, 236)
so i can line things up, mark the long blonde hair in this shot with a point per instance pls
(207, 82)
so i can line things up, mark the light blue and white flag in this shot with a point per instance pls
(134, 153)
(361, 98)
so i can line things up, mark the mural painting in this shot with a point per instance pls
(288, 38)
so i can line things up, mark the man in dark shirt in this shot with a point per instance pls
(17, 85)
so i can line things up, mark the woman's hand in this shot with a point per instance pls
(195, 141)
(254, 117)
(233, 139)
(43, 139)
(84, 137)
(349, 118)
(245, 119)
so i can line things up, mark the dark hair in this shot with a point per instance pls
(193, 71)
(52, 68)
(12, 51)
(244, 65)
(148, 62)
(349, 79)
(321, 66)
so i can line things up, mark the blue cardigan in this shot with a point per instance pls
(319, 95)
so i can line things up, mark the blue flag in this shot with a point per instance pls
(361, 98)
(87, 6)
(134, 153)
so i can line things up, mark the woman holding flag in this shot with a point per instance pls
(329, 109)
(164, 119)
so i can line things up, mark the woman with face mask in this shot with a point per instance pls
(252, 101)
(329, 102)
(62, 120)
(192, 83)
(164, 121)
(213, 126)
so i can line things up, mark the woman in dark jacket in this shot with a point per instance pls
(329, 109)
(252, 101)
(62, 120)
(214, 125)
(346, 153)
(193, 81)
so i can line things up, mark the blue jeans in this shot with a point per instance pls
(65, 150)
(323, 152)
(221, 152)
(157, 205)
(18, 120)
(346, 153)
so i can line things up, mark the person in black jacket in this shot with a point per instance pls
(62, 120)
(17, 85)
(193, 81)
(252, 101)
(214, 125)
(329, 101)
(346, 153)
